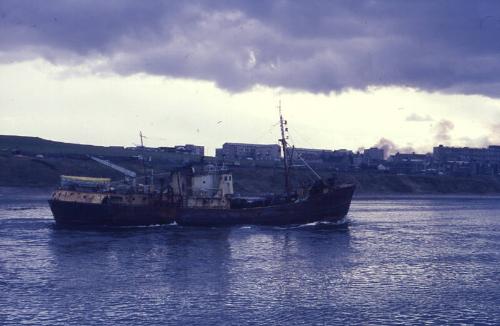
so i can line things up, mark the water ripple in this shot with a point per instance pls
(397, 262)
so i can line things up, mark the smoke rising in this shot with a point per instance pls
(391, 148)
(442, 131)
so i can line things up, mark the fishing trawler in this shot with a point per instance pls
(207, 198)
(86, 201)
(198, 195)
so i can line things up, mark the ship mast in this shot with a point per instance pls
(285, 151)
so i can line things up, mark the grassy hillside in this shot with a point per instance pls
(22, 165)
(255, 180)
(33, 161)
(34, 145)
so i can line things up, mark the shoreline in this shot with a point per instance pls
(44, 192)
(423, 196)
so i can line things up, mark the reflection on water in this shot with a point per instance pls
(399, 261)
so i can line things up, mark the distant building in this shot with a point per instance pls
(410, 163)
(373, 155)
(466, 161)
(467, 154)
(191, 149)
(312, 155)
(144, 148)
(411, 157)
(219, 153)
(240, 151)
(357, 160)
(342, 152)
(185, 149)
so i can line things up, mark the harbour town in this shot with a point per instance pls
(33, 161)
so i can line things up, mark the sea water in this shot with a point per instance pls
(399, 260)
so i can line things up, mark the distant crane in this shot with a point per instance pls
(130, 174)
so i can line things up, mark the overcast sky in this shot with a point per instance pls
(405, 74)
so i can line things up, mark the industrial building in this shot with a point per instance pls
(239, 151)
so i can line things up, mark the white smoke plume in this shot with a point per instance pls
(442, 131)
(391, 148)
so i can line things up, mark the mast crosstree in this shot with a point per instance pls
(284, 144)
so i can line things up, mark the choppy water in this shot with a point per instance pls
(434, 261)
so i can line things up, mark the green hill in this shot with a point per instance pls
(33, 161)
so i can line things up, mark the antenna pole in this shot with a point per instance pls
(141, 136)
(146, 181)
(285, 151)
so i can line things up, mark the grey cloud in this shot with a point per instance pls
(475, 142)
(444, 127)
(318, 46)
(493, 138)
(418, 118)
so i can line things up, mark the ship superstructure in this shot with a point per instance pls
(208, 197)
(203, 186)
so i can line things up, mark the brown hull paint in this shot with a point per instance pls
(75, 213)
(332, 207)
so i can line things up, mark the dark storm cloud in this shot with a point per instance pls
(319, 46)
